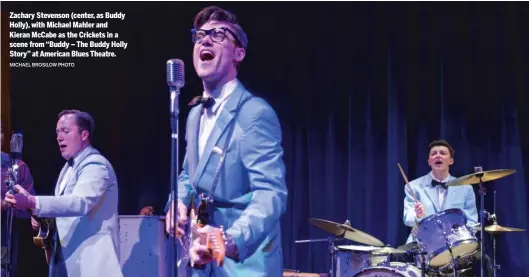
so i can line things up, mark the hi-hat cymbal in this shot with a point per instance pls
(345, 231)
(389, 250)
(495, 228)
(408, 246)
(486, 176)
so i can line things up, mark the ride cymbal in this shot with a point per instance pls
(486, 176)
(345, 231)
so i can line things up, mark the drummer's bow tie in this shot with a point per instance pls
(207, 102)
(436, 183)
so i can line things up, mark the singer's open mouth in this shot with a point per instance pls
(206, 55)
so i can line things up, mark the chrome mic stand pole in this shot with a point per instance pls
(7, 261)
(10, 183)
(175, 82)
(174, 169)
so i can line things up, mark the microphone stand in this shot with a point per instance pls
(174, 112)
(10, 183)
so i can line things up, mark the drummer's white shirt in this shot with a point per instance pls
(440, 190)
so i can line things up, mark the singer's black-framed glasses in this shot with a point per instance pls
(216, 34)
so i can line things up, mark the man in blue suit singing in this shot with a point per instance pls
(248, 188)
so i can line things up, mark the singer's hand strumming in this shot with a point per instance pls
(35, 224)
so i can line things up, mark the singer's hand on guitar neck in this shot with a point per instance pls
(5, 205)
(22, 199)
(182, 219)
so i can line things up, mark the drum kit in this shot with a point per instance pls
(444, 243)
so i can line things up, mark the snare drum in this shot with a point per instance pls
(444, 231)
(351, 259)
(395, 269)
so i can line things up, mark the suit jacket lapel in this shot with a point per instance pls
(192, 142)
(59, 181)
(85, 153)
(431, 192)
(449, 193)
(225, 117)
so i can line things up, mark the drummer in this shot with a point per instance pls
(432, 194)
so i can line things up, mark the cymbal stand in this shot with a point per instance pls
(332, 251)
(495, 266)
(483, 213)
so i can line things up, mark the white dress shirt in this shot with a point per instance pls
(209, 116)
(64, 181)
(440, 190)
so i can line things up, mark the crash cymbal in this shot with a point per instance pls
(495, 228)
(389, 250)
(486, 176)
(345, 231)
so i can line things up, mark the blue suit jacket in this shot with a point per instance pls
(251, 193)
(86, 212)
(460, 197)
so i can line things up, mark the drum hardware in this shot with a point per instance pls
(422, 254)
(449, 247)
(331, 247)
(495, 230)
(478, 177)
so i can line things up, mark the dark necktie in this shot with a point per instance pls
(436, 183)
(206, 102)
(70, 162)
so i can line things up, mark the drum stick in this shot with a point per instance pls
(407, 183)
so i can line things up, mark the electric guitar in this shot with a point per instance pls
(213, 238)
(44, 238)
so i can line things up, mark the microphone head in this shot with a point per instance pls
(175, 73)
(17, 142)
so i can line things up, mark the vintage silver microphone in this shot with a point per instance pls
(175, 81)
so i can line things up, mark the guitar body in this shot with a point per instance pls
(44, 238)
(211, 237)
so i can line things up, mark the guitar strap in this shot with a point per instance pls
(242, 100)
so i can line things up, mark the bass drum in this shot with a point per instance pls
(395, 269)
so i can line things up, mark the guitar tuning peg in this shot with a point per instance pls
(222, 232)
